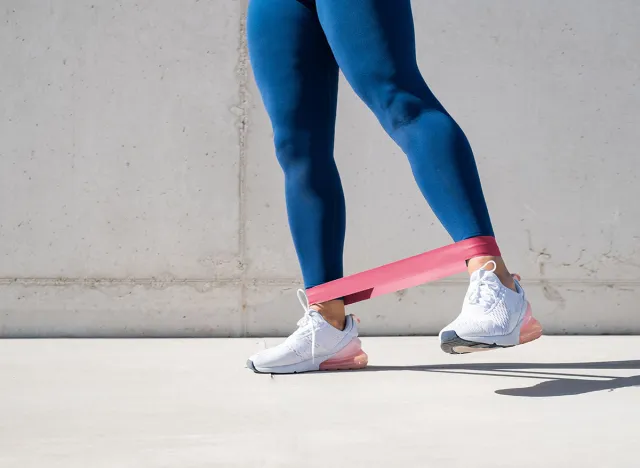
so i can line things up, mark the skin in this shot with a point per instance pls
(334, 311)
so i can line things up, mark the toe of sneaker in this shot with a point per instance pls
(251, 365)
(448, 329)
(448, 335)
(263, 358)
(274, 357)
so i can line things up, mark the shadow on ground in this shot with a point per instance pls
(553, 383)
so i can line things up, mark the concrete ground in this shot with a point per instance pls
(558, 402)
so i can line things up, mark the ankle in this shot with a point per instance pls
(333, 312)
(501, 270)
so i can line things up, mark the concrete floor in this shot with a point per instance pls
(558, 402)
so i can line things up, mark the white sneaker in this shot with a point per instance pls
(493, 316)
(315, 345)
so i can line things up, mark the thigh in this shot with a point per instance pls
(292, 62)
(373, 42)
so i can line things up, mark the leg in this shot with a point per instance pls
(373, 42)
(298, 78)
(378, 59)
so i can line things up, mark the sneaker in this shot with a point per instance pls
(493, 316)
(315, 345)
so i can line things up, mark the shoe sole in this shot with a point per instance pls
(351, 357)
(529, 329)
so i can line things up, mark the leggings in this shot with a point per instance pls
(296, 48)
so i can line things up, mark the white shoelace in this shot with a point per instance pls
(307, 319)
(486, 290)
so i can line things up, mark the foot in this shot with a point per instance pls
(315, 345)
(493, 316)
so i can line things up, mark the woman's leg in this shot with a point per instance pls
(297, 76)
(374, 45)
(373, 42)
(298, 80)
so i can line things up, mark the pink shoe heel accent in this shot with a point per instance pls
(531, 328)
(349, 357)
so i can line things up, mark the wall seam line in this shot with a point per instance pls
(242, 73)
(249, 281)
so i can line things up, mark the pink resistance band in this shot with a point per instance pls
(429, 266)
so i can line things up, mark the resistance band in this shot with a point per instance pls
(413, 271)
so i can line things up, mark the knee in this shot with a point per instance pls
(402, 110)
(291, 148)
(303, 152)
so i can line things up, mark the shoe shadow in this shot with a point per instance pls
(554, 383)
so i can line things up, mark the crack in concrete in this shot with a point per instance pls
(542, 257)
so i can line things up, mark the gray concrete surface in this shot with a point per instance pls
(558, 402)
(139, 193)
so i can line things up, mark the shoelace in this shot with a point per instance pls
(307, 319)
(486, 290)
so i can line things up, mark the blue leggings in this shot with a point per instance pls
(296, 47)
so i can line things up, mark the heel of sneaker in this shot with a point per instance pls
(531, 329)
(350, 357)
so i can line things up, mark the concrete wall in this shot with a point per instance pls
(139, 193)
